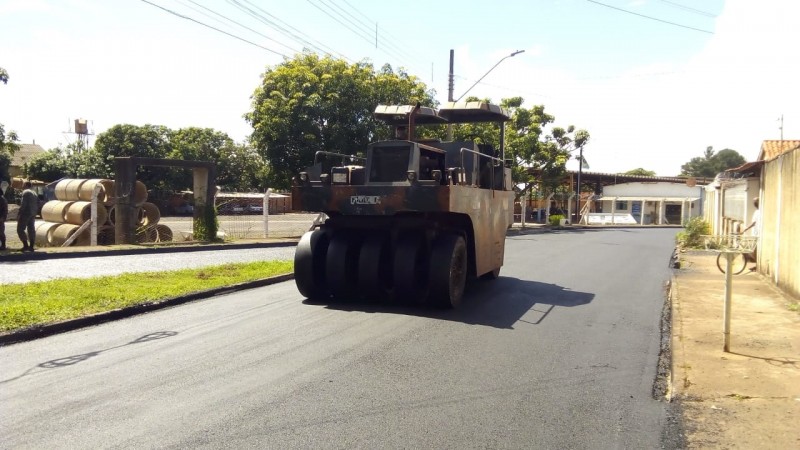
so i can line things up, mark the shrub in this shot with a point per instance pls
(555, 219)
(693, 232)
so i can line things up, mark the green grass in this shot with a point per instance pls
(30, 304)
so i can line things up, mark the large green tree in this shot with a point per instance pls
(538, 150)
(239, 168)
(312, 103)
(711, 163)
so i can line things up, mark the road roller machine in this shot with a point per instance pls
(411, 222)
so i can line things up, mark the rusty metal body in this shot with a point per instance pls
(412, 206)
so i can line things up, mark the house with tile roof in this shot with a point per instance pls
(22, 156)
(772, 179)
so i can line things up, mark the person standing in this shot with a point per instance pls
(3, 217)
(26, 221)
(754, 225)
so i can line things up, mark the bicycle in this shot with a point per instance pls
(741, 248)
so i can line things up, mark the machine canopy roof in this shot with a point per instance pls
(451, 112)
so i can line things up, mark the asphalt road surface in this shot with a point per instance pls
(560, 352)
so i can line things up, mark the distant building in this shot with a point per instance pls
(22, 156)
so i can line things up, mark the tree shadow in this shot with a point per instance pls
(76, 359)
(499, 304)
(780, 361)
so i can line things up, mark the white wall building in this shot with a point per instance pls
(649, 203)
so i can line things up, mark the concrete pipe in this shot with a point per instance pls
(112, 215)
(63, 232)
(106, 190)
(146, 235)
(150, 215)
(164, 233)
(73, 189)
(61, 189)
(56, 211)
(80, 212)
(139, 194)
(44, 232)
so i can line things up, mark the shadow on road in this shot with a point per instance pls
(499, 304)
(75, 359)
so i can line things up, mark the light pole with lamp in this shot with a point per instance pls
(450, 84)
(487, 73)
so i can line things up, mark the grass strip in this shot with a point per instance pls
(39, 303)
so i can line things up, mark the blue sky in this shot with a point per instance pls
(652, 94)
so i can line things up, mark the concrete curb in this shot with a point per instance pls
(40, 331)
(42, 255)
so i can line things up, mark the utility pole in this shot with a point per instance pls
(450, 94)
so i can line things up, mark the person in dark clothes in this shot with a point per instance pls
(26, 221)
(3, 217)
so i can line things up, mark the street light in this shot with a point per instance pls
(450, 87)
(487, 73)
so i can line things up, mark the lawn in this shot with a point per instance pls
(39, 303)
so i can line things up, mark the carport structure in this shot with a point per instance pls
(204, 179)
(650, 211)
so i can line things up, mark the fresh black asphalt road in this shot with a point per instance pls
(559, 352)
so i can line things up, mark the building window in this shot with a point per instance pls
(622, 205)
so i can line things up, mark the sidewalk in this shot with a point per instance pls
(748, 398)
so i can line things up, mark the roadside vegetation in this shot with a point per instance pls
(39, 303)
(693, 233)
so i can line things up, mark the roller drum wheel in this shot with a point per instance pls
(341, 267)
(309, 264)
(410, 271)
(373, 267)
(448, 270)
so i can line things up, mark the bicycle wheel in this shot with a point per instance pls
(738, 264)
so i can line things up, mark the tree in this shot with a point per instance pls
(710, 164)
(640, 172)
(147, 141)
(8, 142)
(539, 154)
(308, 104)
(239, 168)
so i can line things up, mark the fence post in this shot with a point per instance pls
(726, 313)
(93, 232)
(265, 210)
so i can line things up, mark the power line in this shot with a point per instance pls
(386, 42)
(651, 18)
(244, 26)
(368, 39)
(688, 8)
(198, 11)
(358, 30)
(213, 28)
(281, 27)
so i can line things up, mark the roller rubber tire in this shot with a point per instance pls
(410, 270)
(373, 265)
(309, 264)
(448, 270)
(341, 265)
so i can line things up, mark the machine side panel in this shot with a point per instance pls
(490, 212)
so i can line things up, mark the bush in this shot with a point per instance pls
(555, 219)
(692, 235)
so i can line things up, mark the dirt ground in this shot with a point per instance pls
(748, 398)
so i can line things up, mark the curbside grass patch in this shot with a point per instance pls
(39, 303)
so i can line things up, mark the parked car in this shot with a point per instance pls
(184, 209)
(255, 209)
